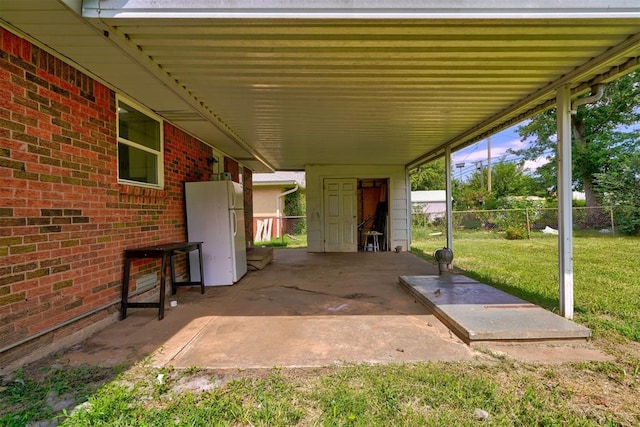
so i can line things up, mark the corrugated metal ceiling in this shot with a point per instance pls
(343, 91)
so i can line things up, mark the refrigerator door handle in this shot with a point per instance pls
(234, 222)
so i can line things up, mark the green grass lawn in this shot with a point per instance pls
(435, 394)
(287, 241)
(512, 393)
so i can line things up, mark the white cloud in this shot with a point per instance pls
(532, 165)
(478, 151)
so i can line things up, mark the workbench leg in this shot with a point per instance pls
(174, 288)
(125, 288)
(163, 281)
(201, 268)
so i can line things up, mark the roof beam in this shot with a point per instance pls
(361, 9)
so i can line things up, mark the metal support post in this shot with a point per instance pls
(565, 229)
(449, 188)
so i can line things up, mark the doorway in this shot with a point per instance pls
(340, 215)
(373, 214)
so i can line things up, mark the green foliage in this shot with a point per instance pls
(430, 176)
(28, 397)
(508, 179)
(470, 222)
(287, 241)
(295, 205)
(514, 233)
(360, 395)
(603, 135)
(621, 189)
(245, 401)
(523, 203)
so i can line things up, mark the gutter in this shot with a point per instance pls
(599, 91)
(278, 197)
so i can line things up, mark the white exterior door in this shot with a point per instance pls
(340, 215)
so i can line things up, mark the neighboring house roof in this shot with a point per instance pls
(429, 196)
(279, 179)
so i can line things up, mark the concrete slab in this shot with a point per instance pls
(314, 310)
(301, 310)
(315, 341)
(478, 312)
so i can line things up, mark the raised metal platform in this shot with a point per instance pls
(475, 311)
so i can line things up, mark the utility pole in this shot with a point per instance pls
(489, 165)
(479, 167)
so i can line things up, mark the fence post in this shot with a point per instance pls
(613, 226)
(526, 211)
(282, 229)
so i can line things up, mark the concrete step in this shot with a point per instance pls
(476, 312)
(260, 257)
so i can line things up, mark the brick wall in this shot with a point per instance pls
(248, 206)
(64, 219)
(233, 168)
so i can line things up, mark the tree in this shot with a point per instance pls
(430, 176)
(621, 189)
(508, 179)
(295, 205)
(603, 134)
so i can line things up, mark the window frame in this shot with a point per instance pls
(158, 153)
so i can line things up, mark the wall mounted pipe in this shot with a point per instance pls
(278, 197)
(599, 91)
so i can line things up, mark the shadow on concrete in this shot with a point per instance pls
(302, 310)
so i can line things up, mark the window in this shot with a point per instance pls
(139, 146)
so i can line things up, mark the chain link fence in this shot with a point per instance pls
(289, 231)
(519, 223)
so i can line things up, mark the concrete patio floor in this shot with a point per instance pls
(302, 310)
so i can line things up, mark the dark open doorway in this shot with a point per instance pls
(373, 214)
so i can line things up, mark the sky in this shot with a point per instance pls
(465, 161)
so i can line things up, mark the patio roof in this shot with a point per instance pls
(282, 84)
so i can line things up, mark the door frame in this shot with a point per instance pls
(386, 239)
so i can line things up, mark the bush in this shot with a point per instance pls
(471, 222)
(628, 220)
(514, 233)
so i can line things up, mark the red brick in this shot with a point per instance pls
(69, 150)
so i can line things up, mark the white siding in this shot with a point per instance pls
(398, 203)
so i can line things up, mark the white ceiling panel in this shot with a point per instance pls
(283, 84)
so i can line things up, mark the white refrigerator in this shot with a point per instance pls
(215, 216)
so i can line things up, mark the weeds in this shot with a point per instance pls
(44, 394)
